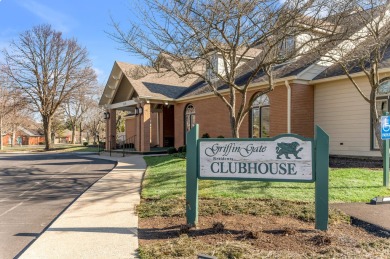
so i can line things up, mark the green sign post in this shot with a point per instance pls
(191, 177)
(386, 163)
(385, 135)
(287, 158)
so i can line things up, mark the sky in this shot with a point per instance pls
(85, 20)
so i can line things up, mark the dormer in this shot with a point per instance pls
(216, 65)
(287, 46)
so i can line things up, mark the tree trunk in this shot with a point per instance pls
(1, 133)
(13, 136)
(47, 130)
(236, 131)
(233, 123)
(377, 130)
(81, 142)
(376, 124)
(73, 133)
(376, 119)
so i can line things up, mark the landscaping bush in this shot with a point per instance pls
(206, 135)
(182, 149)
(220, 136)
(171, 150)
(85, 144)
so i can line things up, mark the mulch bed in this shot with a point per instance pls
(350, 162)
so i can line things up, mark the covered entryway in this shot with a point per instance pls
(149, 105)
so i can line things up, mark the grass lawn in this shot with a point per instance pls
(165, 179)
(259, 217)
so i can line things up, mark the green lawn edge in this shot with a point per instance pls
(165, 179)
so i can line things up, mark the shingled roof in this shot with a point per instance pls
(166, 84)
(288, 69)
(159, 85)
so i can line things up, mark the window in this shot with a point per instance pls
(212, 68)
(189, 117)
(287, 46)
(382, 105)
(260, 117)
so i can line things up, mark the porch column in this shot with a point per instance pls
(107, 133)
(137, 141)
(160, 129)
(145, 128)
(111, 130)
(142, 141)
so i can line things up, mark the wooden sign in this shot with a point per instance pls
(287, 157)
(283, 158)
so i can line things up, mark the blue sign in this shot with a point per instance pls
(385, 127)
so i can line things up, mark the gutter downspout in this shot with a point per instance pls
(288, 106)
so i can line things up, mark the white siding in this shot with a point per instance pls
(342, 113)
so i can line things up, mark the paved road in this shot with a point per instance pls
(36, 188)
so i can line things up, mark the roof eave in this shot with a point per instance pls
(341, 77)
(111, 85)
(225, 91)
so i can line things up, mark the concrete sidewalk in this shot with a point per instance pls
(102, 222)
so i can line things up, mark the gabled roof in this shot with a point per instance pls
(159, 85)
(145, 82)
(336, 70)
(353, 24)
(167, 85)
(303, 64)
(30, 132)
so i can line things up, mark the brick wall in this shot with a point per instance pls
(213, 118)
(302, 110)
(153, 133)
(33, 140)
(26, 140)
(130, 126)
(278, 110)
(212, 115)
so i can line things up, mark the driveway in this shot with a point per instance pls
(36, 188)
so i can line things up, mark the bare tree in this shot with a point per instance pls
(47, 68)
(12, 107)
(94, 122)
(58, 125)
(365, 50)
(76, 106)
(19, 114)
(221, 40)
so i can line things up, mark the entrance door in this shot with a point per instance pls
(168, 126)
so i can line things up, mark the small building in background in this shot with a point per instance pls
(25, 137)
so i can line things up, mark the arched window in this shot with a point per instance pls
(384, 87)
(189, 117)
(382, 105)
(260, 117)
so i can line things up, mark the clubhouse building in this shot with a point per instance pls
(162, 107)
